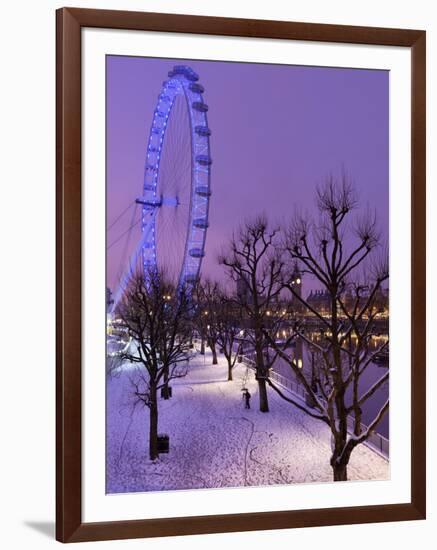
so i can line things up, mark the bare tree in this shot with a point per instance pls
(158, 321)
(256, 267)
(207, 293)
(336, 255)
(228, 325)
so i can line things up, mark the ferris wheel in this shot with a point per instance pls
(177, 184)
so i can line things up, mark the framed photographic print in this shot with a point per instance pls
(240, 274)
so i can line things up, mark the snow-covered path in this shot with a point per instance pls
(215, 442)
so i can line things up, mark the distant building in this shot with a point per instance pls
(320, 301)
(382, 302)
(379, 304)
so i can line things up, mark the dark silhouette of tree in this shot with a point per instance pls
(207, 293)
(255, 265)
(158, 320)
(228, 326)
(344, 260)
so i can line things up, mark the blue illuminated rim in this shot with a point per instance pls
(182, 81)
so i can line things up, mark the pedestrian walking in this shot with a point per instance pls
(246, 397)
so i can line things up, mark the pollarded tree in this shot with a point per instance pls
(207, 293)
(343, 259)
(158, 320)
(256, 267)
(228, 326)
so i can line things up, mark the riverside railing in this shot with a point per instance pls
(375, 441)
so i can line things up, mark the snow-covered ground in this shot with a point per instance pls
(215, 441)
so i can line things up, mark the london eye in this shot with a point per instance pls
(177, 185)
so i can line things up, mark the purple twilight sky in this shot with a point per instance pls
(277, 132)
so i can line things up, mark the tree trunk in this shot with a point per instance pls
(165, 390)
(261, 373)
(263, 401)
(229, 371)
(202, 346)
(340, 471)
(153, 431)
(340, 458)
(214, 354)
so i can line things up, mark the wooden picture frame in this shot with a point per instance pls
(69, 524)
